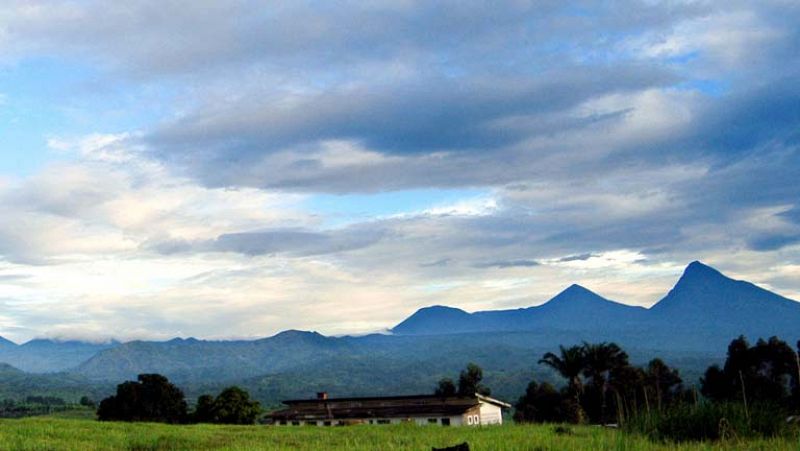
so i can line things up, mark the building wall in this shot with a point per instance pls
(422, 421)
(490, 414)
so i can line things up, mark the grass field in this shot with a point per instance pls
(53, 433)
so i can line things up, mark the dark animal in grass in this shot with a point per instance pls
(461, 447)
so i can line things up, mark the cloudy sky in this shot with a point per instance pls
(234, 168)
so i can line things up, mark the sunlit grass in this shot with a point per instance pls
(45, 433)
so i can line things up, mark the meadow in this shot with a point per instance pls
(58, 432)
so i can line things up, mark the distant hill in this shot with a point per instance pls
(47, 356)
(193, 360)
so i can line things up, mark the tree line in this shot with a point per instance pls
(153, 398)
(603, 387)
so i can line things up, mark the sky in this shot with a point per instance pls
(230, 169)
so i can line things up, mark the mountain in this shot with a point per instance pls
(690, 328)
(703, 311)
(435, 318)
(705, 304)
(194, 360)
(47, 356)
(575, 308)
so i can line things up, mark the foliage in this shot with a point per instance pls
(232, 406)
(712, 421)
(34, 406)
(602, 386)
(541, 403)
(766, 372)
(204, 410)
(445, 388)
(469, 381)
(570, 364)
(151, 398)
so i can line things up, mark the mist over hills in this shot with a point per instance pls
(690, 327)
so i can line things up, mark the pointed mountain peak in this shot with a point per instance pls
(699, 269)
(578, 289)
(576, 292)
(698, 274)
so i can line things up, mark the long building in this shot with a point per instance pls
(474, 410)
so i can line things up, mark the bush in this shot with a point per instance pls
(711, 421)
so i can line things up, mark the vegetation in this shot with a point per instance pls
(151, 398)
(36, 405)
(71, 434)
(751, 395)
(232, 406)
(711, 421)
(469, 383)
(766, 372)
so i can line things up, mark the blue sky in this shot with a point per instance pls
(176, 168)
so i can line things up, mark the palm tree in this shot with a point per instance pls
(569, 364)
(599, 360)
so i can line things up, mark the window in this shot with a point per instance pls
(311, 423)
(469, 420)
(326, 423)
(283, 422)
(477, 420)
(445, 421)
(384, 421)
(433, 420)
(295, 423)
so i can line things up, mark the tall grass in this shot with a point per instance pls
(713, 421)
(86, 435)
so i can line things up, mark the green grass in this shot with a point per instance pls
(49, 433)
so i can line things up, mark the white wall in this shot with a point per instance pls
(491, 414)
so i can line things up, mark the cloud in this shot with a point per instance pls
(509, 264)
(616, 142)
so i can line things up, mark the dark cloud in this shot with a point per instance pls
(295, 242)
(578, 257)
(773, 242)
(427, 116)
(509, 264)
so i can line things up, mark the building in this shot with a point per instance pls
(422, 409)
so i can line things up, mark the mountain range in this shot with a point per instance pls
(705, 309)
(691, 327)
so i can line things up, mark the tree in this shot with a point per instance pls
(204, 410)
(541, 403)
(445, 388)
(663, 382)
(761, 373)
(151, 398)
(569, 364)
(469, 381)
(234, 406)
(598, 361)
